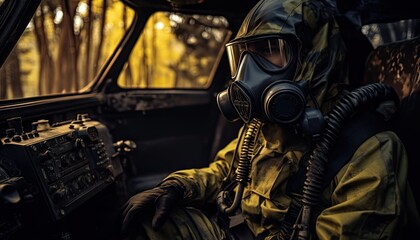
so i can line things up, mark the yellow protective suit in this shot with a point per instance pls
(369, 198)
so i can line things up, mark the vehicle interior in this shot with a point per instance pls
(102, 99)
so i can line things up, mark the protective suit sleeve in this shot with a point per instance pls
(367, 201)
(203, 184)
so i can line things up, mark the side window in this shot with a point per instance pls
(382, 33)
(63, 47)
(176, 51)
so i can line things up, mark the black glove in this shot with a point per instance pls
(163, 197)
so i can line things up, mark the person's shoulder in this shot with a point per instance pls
(384, 148)
(388, 137)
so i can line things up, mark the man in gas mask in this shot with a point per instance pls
(290, 68)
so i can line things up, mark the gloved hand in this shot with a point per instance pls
(163, 198)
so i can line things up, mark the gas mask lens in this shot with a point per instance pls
(273, 48)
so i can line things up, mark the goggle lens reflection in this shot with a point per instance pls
(274, 49)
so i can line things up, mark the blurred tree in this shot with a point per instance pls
(46, 67)
(66, 62)
(10, 74)
(88, 30)
(102, 19)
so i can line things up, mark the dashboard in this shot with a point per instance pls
(51, 170)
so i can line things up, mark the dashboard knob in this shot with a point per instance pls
(9, 194)
(45, 156)
(15, 123)
(59, 194)
(79, 143)
(41, 125)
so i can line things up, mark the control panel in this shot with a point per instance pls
(63, 164)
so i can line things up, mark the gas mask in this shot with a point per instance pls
(262, 69)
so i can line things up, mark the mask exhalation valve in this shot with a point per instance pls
(284, 102)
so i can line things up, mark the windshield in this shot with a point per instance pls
(63, 47)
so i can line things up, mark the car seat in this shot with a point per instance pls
(398, 64)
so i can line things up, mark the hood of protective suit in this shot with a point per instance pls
(322, 52)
